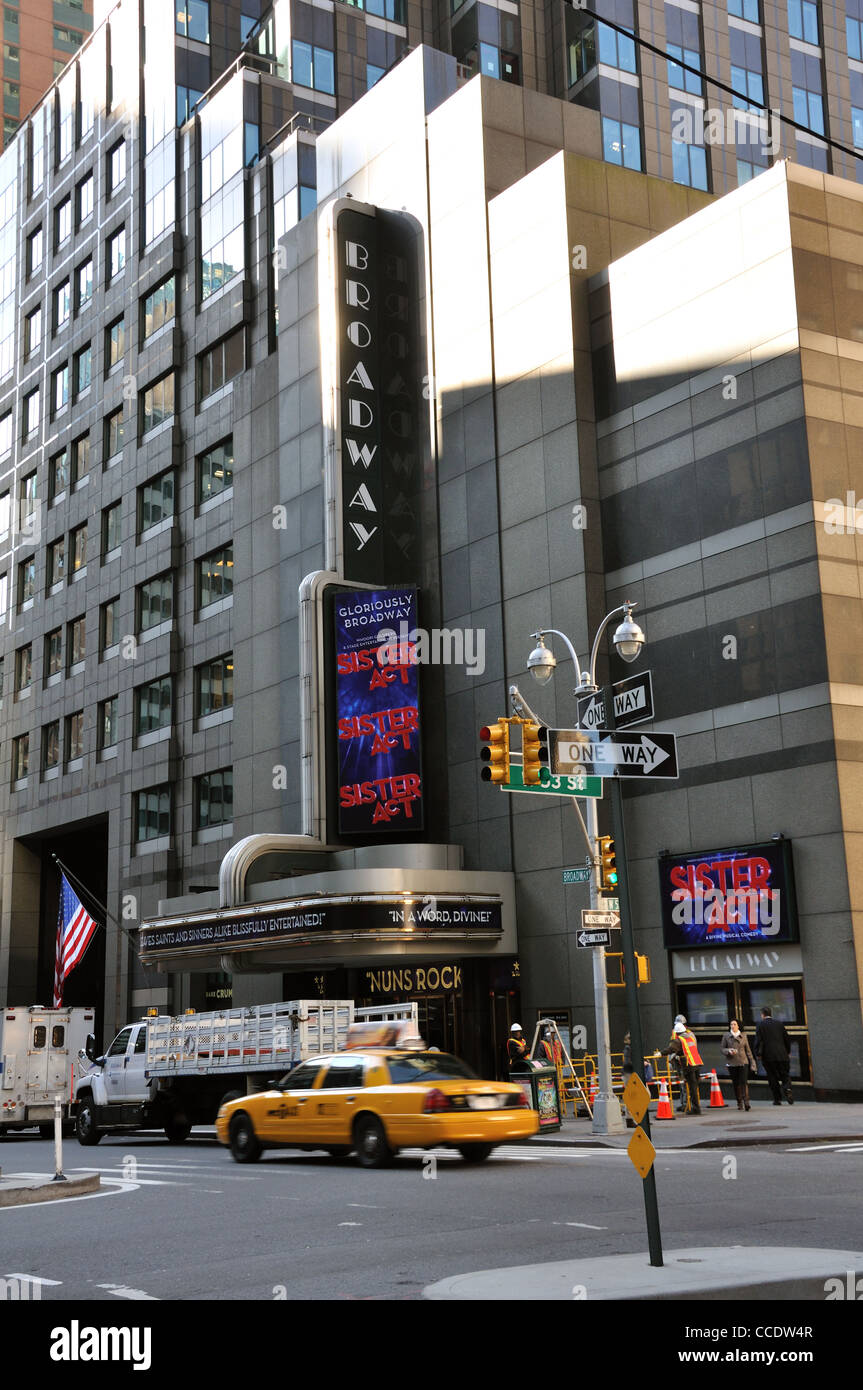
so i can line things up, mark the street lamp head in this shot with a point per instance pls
(629, 638)
(541, 662)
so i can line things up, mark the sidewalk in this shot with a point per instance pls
(735, 1272)
(804, 1122)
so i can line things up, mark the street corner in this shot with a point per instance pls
(26, 1189)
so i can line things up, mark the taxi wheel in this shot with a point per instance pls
(244, 1145)
(370, 1141)
(475, 1153)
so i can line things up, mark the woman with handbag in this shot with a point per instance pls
(740, 1061)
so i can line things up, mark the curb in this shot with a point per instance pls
(748, 1140)
(48, 1191)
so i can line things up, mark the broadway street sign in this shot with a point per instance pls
(633, 703)
(611, 753)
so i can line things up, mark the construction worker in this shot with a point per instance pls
(683, 1048)
(517, 1050)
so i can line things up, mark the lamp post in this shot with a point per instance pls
(629, 640)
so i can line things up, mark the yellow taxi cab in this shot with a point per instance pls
(375, 1100)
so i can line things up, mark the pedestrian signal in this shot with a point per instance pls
(495, 755)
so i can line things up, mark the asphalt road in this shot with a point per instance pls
(187, 1222)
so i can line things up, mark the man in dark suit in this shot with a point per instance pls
(773, 1046)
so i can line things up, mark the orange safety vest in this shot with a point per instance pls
(690, 1049)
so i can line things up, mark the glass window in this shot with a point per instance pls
(62, 305)
(77, 636)
(428, 1066)
(32, 332)
(62, 222)
(20, 756)
(107, 723)
(155, 601)
(159, 307)
(54, 652)
(614, 49)
(157, 500)
(302, 1078)
(116, 167)
(313, 67)
(621, 143)
(373, 75)
(854, 31)
(60, 389)
(58, 474)
(746, 70)
(29, 492)
(34, 251)
(215, 574)
(109, 629)
(684, 45)
(214, 686)
(342, 1073)
(745, 9)
(84, 283)
(78, 549)
(214, 801)
(806, 91)
(216, 470)
(32, 412)
(116, 253)
(56, 561)
(153, 813)
(111, 528)
(153, 706)
(74, 736)
(220, 364)
(222, 237)
(803, 20)
(23, 668)
(157, 404)
(51, 745)
(193, 20)
(115, 335)
(83, 365)
(187, 100)
(80, 459)
(85, 199)
(114, 433)
(6, 428)
(689, 164)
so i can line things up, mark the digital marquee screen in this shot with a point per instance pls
(377, 713)
(728, 897)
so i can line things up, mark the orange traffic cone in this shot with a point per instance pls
(715, 1091)
(594, 1091)
(664, 1109)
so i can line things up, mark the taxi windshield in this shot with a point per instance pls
(428, 1066)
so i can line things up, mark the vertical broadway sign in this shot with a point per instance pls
(379, 396)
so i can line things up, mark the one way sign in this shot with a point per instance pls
(612, 753)
(633, 704)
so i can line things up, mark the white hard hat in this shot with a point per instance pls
(679, 1028)
(516, 1028)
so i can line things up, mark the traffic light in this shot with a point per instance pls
(643, 965)
(496, 754)
(607, 867)
(534, 752)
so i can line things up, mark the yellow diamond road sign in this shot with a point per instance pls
(641, 1152)
(636, 1098)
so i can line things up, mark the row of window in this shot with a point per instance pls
(153, 702)
(154, 599)
(217, 366)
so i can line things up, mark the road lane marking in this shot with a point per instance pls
(33, 1279)
(121, 1291)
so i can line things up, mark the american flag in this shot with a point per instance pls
(75, 927)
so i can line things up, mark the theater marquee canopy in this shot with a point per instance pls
(326, 929)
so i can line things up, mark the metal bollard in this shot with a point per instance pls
(59, 1175)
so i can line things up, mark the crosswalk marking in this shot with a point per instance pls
(121, 1291)
(849, 1146)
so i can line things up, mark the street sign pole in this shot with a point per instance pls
(651, 1205)
(607, 1115)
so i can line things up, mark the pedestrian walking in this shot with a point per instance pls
(773, 1047)
(683, 1049)
(516, 1050)
(740, 1061)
